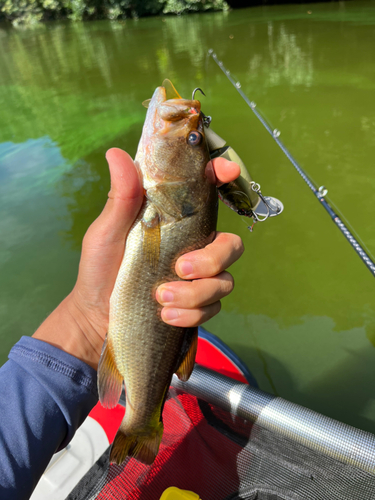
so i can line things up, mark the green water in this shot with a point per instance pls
(302, 315)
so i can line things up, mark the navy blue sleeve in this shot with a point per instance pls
(45, 395)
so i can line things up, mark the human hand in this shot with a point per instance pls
(190, 303)
(79, 324)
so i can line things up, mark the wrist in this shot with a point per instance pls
(68, 329)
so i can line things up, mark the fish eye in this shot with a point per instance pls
(194, 138)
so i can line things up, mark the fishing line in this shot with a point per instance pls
(321, 192)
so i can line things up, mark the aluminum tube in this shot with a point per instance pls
(311, 429)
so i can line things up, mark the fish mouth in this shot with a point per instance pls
(168, 113)
(159, 96)
(153, 123)
(167, 92)
(169, 125)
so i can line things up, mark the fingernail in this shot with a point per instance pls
(186, 268)
(170, 314)
(166, 296)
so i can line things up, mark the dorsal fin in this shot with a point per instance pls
(151, 235)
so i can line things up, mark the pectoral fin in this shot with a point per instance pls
(109, 378)
(185, 369)
(151, 235)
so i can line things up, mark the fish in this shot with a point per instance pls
(178, 215)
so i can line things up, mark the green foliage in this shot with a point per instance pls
(183, 6)
(22, 11)
(117, 9)
(29, 12)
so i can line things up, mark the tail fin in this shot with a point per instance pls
(143, 446)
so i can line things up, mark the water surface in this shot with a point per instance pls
(302, 313)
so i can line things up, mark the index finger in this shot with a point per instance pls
(211, 260)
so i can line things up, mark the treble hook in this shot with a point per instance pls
(195, 90)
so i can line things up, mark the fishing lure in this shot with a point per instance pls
(242, 195)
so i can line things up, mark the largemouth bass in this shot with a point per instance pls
(178, 215)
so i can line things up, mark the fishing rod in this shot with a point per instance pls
(321, 192)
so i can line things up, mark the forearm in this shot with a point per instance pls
(46, 395)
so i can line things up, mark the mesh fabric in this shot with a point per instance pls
(223, 457)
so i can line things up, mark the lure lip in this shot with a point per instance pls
(269, 206)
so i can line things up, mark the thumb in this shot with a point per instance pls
(123, 204)
(126, 194)
(104, 242)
